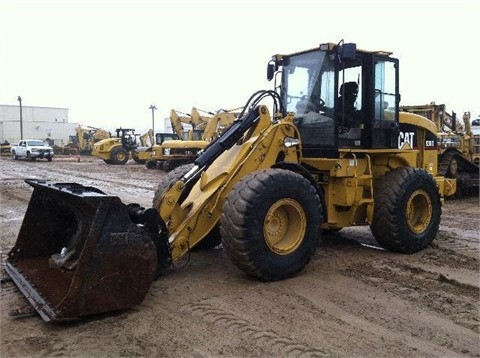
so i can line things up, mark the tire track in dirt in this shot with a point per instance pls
(378, 323)
(267, 339)
(452, 253)
(10, 195)
(458, 301)
(442, 279)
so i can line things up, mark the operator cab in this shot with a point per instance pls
(128, 138)
(162, 137)
(342, 97)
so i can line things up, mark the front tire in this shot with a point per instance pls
(173, 176)
(271, 224)
(407, 210)
(14, 155)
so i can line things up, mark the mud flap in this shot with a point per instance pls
(78, 253)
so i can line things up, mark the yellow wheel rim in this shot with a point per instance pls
(419, 211)
(284, 226)
(121, 156)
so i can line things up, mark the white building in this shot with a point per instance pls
(45, 123)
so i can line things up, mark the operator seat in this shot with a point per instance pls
(315, 129)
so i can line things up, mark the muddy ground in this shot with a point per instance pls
(353, 299)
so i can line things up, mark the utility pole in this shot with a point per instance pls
(19, 99)
(153, 108)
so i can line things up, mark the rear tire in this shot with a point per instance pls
(271, 224)
(407, 210)
(119, 156)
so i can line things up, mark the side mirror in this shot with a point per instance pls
(270, 70)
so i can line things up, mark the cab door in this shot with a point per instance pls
(385, 102)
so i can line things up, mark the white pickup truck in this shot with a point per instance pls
(32, 149)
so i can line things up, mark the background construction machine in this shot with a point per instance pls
(116, 150)
(162, 137)
(476, 141)
(268, 185)
(456, 146)
(195, 121)
(142, 152)
(83, 141)
(128, 144)
(5, 148)
(173, 153)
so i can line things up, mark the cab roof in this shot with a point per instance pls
(329, 46)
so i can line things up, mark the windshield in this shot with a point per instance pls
(162, 137)
(36, 143)
(308, 89)
(308, 78)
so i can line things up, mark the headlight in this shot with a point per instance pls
(34, 150)
(166, 151)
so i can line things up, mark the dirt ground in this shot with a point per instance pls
(353, 299)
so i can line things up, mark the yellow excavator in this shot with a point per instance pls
(195, 120)
(298, 160)
(171, 154)
(142, 152)
(83, 141)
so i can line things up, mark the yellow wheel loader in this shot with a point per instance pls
(266, 187)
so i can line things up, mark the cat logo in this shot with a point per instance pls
(405, 137)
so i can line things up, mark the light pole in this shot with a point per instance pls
(153, 108)
(19, 99)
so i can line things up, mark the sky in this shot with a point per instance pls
(109, 61)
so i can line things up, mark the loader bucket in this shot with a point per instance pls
(78, 253)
